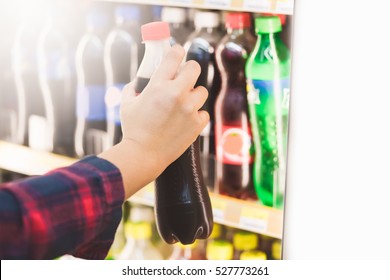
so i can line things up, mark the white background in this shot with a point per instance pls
(338, 189)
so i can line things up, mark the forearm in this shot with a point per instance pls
(72, 210)
(138, 166)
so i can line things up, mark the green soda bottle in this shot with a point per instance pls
(268, 82)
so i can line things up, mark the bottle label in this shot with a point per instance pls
(113, 99)
(262, 91)
(234, 144)
(90, 102)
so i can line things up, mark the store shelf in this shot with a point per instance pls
(232, 212)
(261, 6)
(29, 162)
(228, 211)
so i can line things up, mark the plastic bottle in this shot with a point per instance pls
(138, 245)
(176, 17)
(253, 255)
(232, 126)
(219, 250)
(268, 74)
(201, 46)
(57, 82)
(90, 136)
(183, 207)
(25, 70)
(244, 241)
(276, 250)
(122, 55)
(186, 252)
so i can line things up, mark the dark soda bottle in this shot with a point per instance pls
(122, 55)
(201, 46)
(182, 204)
(232, 126)
(57, 81)
(91, 111)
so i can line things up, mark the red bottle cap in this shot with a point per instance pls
(238, 20)
(158, 30)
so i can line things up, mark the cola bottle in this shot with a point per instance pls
(201, 46)
(232, 126)
(182, 203)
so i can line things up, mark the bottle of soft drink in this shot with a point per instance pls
(268, 74)
(219, 250)
(201, 46)
(25, 70)
(122, 55)
(90, 134)
(183, 207)
(186, 252)
(253, 255)
(177, 19)
(138, 245)
(276, 250)
(232, 126)
(8, 98)
(244, 241)
(57, 81)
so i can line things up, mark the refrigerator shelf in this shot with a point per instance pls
(228, 211)
(285, 7)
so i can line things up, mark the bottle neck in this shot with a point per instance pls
(154, 53)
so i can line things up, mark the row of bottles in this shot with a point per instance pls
(137, 239)
(69, 96)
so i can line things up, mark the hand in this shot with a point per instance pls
(162, 122)
(164, 119)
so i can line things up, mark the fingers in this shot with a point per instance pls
(189, 74)
(170, 63)
(198, 97)
(204, 119)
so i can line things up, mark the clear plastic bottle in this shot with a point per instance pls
(138, 245)
(268, 74)
(232, 126)
(57, 82)
(219, 250)
(183, 207)
(177, 19)
(244, 241)
(122, 55)
(25, 70)
(201, 46)
(90, 136)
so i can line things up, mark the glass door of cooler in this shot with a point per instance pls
(243, 47)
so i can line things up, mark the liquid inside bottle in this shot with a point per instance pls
(268, 74)
(182, 204)
(232, 126)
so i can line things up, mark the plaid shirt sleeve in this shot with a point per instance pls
(72, 210)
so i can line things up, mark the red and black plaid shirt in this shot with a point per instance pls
(73, 210)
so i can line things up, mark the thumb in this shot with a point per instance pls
(128, 91)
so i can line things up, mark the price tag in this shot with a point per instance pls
(219, 3)
(219, 209)
(254, 219)
(258, 5)
(186, 2)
